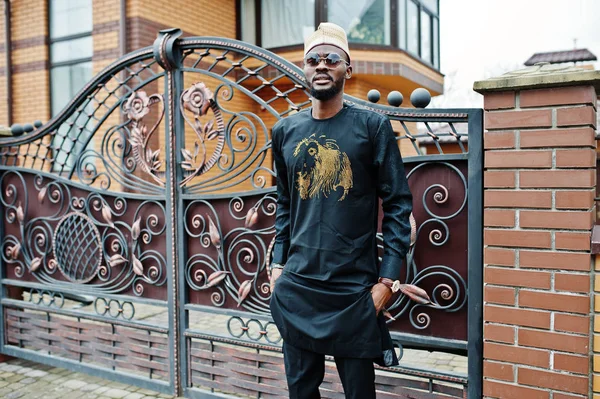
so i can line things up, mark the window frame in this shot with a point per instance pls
(321, 9)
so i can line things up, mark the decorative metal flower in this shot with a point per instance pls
(197, 99)
(137, 106)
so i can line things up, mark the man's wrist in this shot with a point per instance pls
(394, 286)
(274, 266)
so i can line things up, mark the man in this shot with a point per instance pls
(334, 161)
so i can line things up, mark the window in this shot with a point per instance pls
(432, 5)
(248, 21)
(411, 25)
(425, 37)
(402, 25)
(436, 44)
(286, 22)
(365, 21)
(70, 69)
(419, 25)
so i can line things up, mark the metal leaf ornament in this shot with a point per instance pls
(209, 132)
(35, 264)
(216, 277)
(42, 194)
(213, 232)
(186, 154)
(14, 251)
(387, 314)
(416, 294)
(138, 268)
(116, 260)
(244, 291)
(107, 214)
(251, 217)
(135, 229)
(20, 214)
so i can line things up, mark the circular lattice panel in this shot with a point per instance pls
(77, 248)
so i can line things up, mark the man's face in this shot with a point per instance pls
(326, 81)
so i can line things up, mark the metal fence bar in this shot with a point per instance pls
(475, 254)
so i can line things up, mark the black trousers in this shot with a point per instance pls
(305, 371)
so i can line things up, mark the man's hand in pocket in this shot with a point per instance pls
(274, 276)
(381, 295)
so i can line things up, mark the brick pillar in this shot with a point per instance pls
(539, 186)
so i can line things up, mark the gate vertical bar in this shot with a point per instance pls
(475, 255)
(168, 56)
(2, 276)
(181, 243)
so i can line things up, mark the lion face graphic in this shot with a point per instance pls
(325, 168)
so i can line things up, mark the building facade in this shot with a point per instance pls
(56, 46)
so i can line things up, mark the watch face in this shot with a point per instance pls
(396, 286)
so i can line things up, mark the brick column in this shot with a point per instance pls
(539, 186)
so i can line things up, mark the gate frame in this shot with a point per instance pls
(167, 52)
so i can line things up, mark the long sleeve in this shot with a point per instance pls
(393, 189)
(282, 218)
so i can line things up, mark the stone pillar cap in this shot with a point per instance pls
(5, 131)
(540, 75)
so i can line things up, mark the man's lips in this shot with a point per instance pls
(322, 79)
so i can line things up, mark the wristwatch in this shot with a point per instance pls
(275, 266)
(391, 284)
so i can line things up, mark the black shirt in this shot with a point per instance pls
(331, 174)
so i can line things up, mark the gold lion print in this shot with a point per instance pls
(325, 168)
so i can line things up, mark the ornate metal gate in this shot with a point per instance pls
(137, 226)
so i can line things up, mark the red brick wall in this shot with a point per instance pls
(539, 210)
(29, 30)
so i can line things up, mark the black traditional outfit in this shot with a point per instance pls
(331, 174)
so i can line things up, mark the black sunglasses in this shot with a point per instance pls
(332, 59)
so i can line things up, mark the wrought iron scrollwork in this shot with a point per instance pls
(241, 253)
(198, 99)
(46, 298)
(137, 106)
(449, 292)
(114, 308)
(119, 254)
(254, 329)
(241, 144)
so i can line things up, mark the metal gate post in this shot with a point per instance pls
(475, 256)
(2, 276)
(168, 56)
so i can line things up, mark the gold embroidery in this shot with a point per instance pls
(325, 168)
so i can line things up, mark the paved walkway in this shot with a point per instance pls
(21, 379)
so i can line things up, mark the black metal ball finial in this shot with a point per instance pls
(37, 124)
(420, 98)
(28, 127)
(373, 95)
(395, 98)
(17, 129)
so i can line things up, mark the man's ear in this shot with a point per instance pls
(348, 72)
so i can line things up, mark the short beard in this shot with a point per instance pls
(327, 94)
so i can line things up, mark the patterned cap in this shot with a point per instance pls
(327, 33)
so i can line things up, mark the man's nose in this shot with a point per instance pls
(322, 66)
